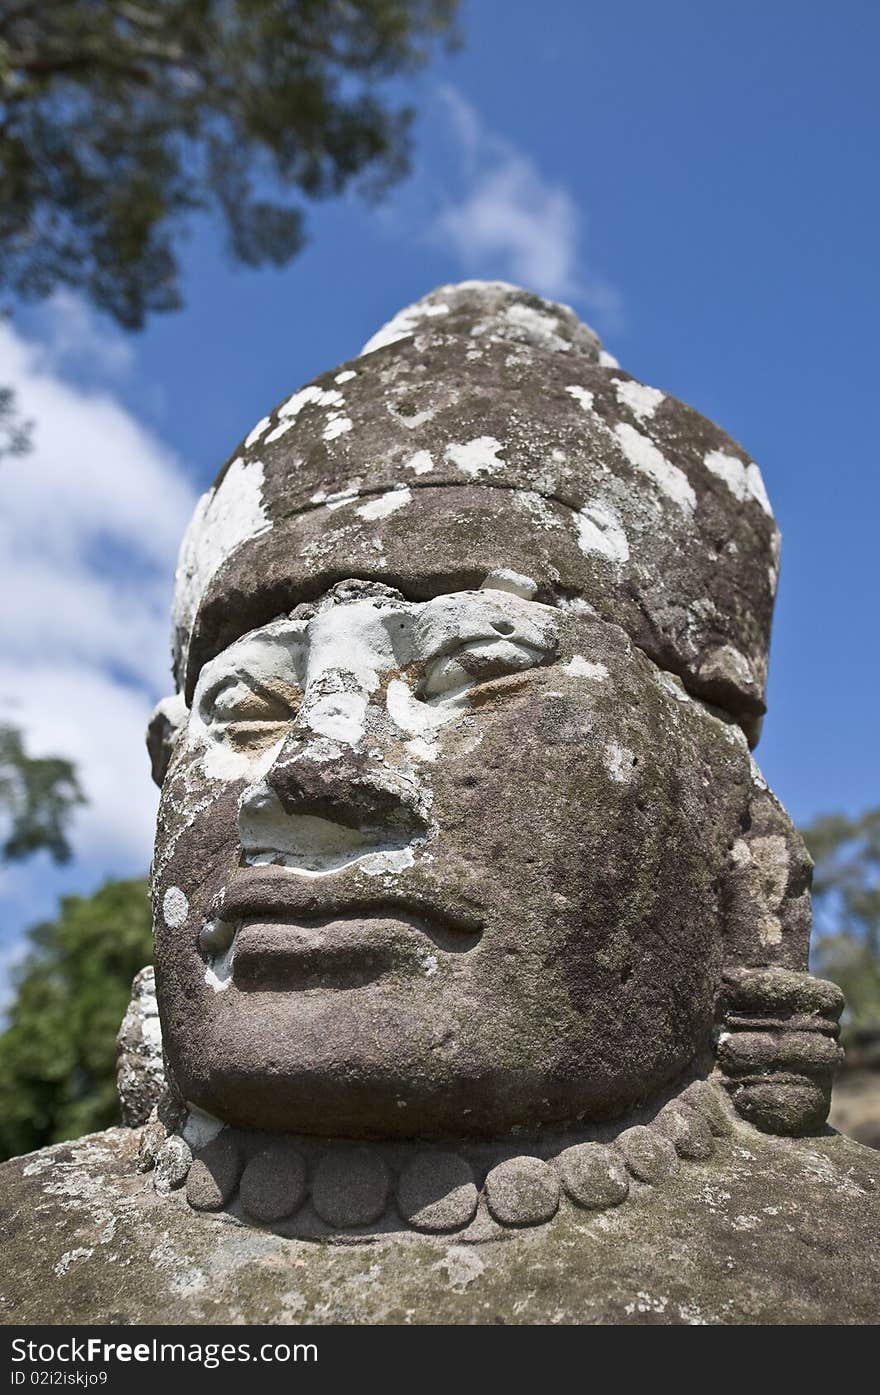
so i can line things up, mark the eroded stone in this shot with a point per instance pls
(214, 1174)
(593, 1175)
(173, 1162)
(350, 1187)
(436, 1192)
(522, 1191)
(273, 1184)
(687, 1130)
(649, 1154)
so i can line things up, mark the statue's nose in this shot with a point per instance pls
(327, 800)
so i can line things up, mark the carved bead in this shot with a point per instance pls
(350, 1187)
(593, 1175)
(436, 1192)
(649, 1154)
(214, 1175)
(273, 1185)
(522, 1191)
(687, 1130)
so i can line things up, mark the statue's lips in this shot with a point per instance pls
(290, 936)
(273, 894)
(345, 953)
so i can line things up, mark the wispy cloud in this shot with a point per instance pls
(89, 531)
(509, 221)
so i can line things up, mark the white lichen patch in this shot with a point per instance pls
(411, 420)
(539, 509)
(345, 376)
(476, 457)
(645, 456)
(618, 762)
(672, 684)
(310, 395)
(218, 973)
(225, 517)
(421, 463)
(200, 1127)
(341, 496)
(337, 425)
(600, 531)
(579, 667)
(541, 327)
(607, 360)
(175, 908)
(402, 326)
(386, 504)
(379, 864)
(576, 605)
(282, 427)
(505, 579)
(641, 400)
(581, 395)
(462, 1265)
(253, 436)
(743, 479)
(422, 721)
(71, 1257)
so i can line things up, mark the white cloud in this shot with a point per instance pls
(511, 222)
(91, 521)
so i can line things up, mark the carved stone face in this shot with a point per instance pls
(428, 868)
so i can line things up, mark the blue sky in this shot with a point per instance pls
(699, 181)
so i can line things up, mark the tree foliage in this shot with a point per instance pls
(14, 433)
(37, 798)
(120, 119)
(846, 901)
(58, 1052)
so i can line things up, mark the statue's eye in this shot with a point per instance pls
(479, 660)
(245, 715)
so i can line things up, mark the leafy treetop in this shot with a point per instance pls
(120, 119)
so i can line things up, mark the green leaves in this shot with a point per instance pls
(58, 1052)
(846, 901)
(119, 121)
(37, 798)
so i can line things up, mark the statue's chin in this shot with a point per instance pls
(371, 1099)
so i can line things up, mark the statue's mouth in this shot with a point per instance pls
(271, 934)
(342, 952)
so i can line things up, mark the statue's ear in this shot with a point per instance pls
(163, 729)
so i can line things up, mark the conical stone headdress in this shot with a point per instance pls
(484, 428)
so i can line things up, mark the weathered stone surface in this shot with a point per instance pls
(505, 887)
(173, 1162)
(810, 1053)
(460, 839)
(350, 1187)
(436, 1192)
(782, 1104)
(479, 536)
(140, 1077)
(593, 1175)
(522, 1191)
(687, 1130)
(769, 1231)
(214, 1174)
(648, 1153)
(781, 992)
(603, 489)
(273, 1184)
(493, 311)
(706, 1099)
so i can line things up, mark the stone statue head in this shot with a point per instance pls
(460, 833)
